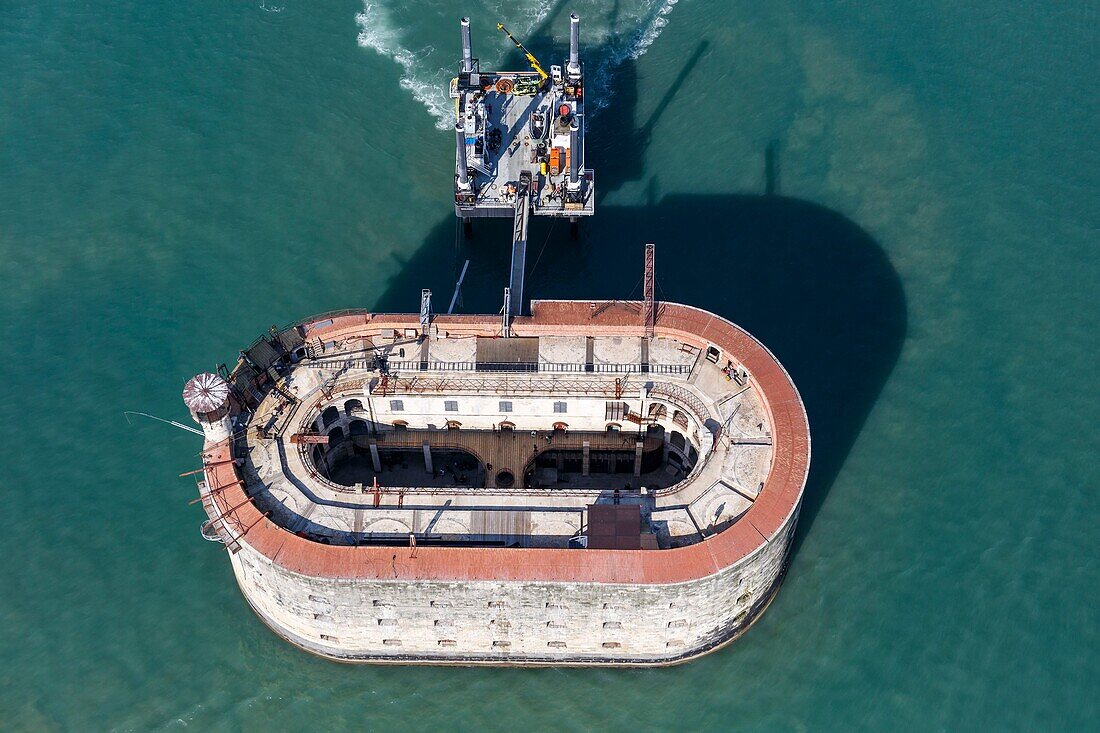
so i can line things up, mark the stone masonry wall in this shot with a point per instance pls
(513, 622)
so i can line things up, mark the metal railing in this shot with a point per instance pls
(460, 439)
(674, 393)
(413, 365)
(670, 392)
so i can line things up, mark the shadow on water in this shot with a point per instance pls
(812, 285)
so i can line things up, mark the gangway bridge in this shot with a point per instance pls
(519, 245)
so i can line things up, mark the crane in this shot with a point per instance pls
(543, 76)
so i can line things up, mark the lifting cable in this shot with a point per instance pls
(544, 242)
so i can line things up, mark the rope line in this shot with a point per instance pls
(544, 242)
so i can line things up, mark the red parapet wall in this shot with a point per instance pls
(777, 501)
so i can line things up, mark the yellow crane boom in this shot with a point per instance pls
(543, 76)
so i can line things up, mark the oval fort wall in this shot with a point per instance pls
(471, 605)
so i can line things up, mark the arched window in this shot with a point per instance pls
(506, 425)
(328, 417)
(400, 425)
(453, 425)
(357, 427)
(560, 427)
(680, 419)
(353, 406)
(677, 440)
(613, 427)
(658, 411)
(335, 436)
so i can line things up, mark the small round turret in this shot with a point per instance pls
(207, 397)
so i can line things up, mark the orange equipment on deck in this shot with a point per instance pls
(557, 160)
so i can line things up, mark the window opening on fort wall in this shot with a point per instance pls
(615, 410)
(680, 419)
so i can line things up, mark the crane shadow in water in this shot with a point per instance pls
(812, 285)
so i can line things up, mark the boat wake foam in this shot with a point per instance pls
(376, 31)
(611, 32)
(630, 42)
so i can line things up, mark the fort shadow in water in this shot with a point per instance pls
(812, 285)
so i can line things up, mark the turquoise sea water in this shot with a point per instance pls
(176, 177)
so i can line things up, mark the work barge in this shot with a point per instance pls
(592, 483)
(519, 146)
